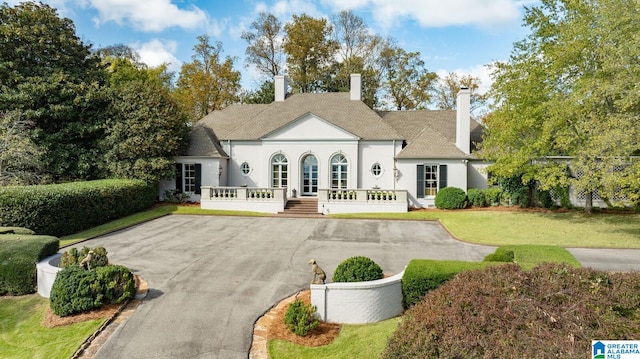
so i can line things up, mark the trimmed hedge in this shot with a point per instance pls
(552, 311)
(74, 257)
(68, 208)
(424, 275)
(15, 230)
(500, 255)
(357, 269)
(451, 198)
(18, 257)
(77, 290)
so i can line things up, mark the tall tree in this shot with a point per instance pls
(357, 52)
(406, 80)
(19, 156)
(571, 89)
(145, 130)
(446, 91)
(52, 78)
(310, 50)
(265, 94)
(264, 45)
(208, 83)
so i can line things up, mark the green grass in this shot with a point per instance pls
(569, 229)
(528, 256)
(23, 336)
(147, 216)
(354, 341)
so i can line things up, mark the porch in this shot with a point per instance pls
(274, 200)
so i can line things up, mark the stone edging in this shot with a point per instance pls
(260, 336)
(141, 293)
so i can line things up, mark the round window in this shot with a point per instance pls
(376, 169)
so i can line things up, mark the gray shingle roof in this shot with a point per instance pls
(252, 122)
(428, 134)
(203, 143)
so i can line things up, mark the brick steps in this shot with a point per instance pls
(301, 206)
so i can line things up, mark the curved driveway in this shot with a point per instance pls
(210, 278)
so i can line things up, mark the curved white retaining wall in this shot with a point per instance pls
(360, 302)
(47, 270)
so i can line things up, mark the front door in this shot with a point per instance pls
(310, 176)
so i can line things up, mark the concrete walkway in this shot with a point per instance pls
(211, 278)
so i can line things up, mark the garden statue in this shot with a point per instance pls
(86, 262)
(318, 274)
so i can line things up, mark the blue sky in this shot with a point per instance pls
(451, 35)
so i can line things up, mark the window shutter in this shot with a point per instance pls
(442, 177)
(179, 187)
(420, 182)
(198, 178)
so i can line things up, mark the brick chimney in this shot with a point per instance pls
(280, 84)
(356, 87)
(463, 118)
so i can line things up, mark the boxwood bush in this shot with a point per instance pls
(552, 311)
(500, 255)
(451, 198)
(476, 198)
(63, 209)
(19, 254)
(78, 290)
(492, 196)
(424, 275)
(357, 269)
(300, 318)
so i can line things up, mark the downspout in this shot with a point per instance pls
(395, 165)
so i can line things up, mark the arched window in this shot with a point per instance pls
(279, 171)
(339, 167)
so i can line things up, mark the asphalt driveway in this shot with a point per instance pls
(210, 278)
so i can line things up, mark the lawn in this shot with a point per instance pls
(564, 229)
(354, 341)
(22, 334)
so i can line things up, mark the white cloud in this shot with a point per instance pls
(157, 52)
(283, 9)
(148, 15)
(437, 13)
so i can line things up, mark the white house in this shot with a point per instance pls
(330, 148)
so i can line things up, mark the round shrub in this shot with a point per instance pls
(492, 196)
(451, 198)
(551, 311)
(357, 269)
(300, 318)
(117, 283)
(476, 198)
(75, 290)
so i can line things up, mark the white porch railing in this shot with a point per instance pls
(361, 200)
(271, 200)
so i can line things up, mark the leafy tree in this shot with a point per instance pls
(357, 52)
(118, 51)
(51, 77)
(208, 83)
(146, 129)
(570, 89)
(19, 156)
(446, 91)
(309, 50)
(265, 94)
(406, 80)
(264, 49)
